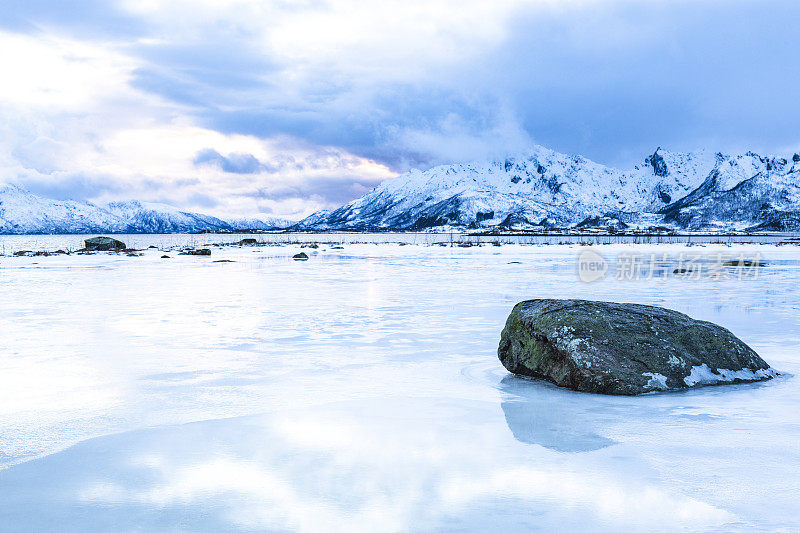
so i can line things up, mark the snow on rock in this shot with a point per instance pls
(703, 375)
(656, 381)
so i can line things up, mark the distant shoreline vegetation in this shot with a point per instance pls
(461, 232)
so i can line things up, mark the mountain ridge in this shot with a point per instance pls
(546, 189)
(22, 212)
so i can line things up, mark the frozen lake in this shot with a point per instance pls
(361, 391)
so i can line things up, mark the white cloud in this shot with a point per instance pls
(70, 111)
(60, 75)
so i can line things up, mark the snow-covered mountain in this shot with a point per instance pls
(543, 188)
(264, 223)
(161, 218)
(23, 212)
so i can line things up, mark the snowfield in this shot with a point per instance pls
(361, 391)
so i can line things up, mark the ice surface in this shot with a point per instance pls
(361, 391)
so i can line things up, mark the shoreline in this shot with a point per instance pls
(71, 243)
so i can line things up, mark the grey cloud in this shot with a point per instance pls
(610, 80)
(331, 191)
(233, 163)
(244, 163)
(73, 186)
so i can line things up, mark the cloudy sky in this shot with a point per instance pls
(280, 108)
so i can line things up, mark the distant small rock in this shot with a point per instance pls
(300, 257)
(103, 244)
(201, 251)
(313, 246)
(742, 263)
(223, 261)
(623, 349)
(248, 242)
(23, 253)
(165, 257)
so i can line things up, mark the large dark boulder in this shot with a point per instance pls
(102, 244)
(616, 348)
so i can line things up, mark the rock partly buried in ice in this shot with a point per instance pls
(102, 244)
(615, 348)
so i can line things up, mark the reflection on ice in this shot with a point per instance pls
(402, 465)
(536, 413)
